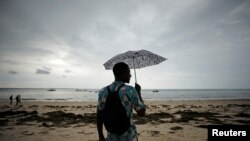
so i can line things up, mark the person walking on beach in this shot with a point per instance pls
(11, 99)
(129, 99)
(17, 99)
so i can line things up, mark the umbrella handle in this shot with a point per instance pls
(135, 76)
(134, 69)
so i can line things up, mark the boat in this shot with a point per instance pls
(51, 89)
(155, 91)
(97, 91)
(79, 90)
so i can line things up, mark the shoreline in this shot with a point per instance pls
(147, 100)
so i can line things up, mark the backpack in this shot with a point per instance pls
(115, 118)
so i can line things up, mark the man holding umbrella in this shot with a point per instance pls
(129, 98)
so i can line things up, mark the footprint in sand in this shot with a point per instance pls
(82, 132)
(154, 133)
(27, 133)
(176, 128)
(43, 132)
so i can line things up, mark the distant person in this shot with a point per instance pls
(128, 97)
(17, 100)
(11, 99)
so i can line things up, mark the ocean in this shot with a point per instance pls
(68, 94)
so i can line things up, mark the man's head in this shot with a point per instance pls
(122, 72)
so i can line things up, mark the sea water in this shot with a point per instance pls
(69, 94)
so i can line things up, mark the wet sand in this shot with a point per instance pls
(165, 120)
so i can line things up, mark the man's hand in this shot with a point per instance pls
(102, 139)
(138, 88)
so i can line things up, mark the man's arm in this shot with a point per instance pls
(141, 112)
(99, 122)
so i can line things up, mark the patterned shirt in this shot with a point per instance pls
(130, 100)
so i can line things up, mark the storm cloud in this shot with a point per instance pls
(206, 42)
(12, 72)
(67, 71)
(43, 70)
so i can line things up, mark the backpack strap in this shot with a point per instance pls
(116, 90)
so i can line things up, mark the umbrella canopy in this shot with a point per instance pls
(135, 60)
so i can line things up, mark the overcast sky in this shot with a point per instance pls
(64, 44)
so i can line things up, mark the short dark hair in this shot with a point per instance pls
(120, 68)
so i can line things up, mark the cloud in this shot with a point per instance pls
(67, 71)
(11, 62)
(12, 72)
(199, 37)
(44, 70)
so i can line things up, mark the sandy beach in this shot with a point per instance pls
(165, 120)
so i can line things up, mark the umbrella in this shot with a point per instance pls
(135, 60)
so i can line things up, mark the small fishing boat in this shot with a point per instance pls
(51, 89)
(155, 91)
(79, 90)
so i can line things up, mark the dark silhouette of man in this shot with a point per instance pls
(130, 98)
(11, 99)
(17, 100)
